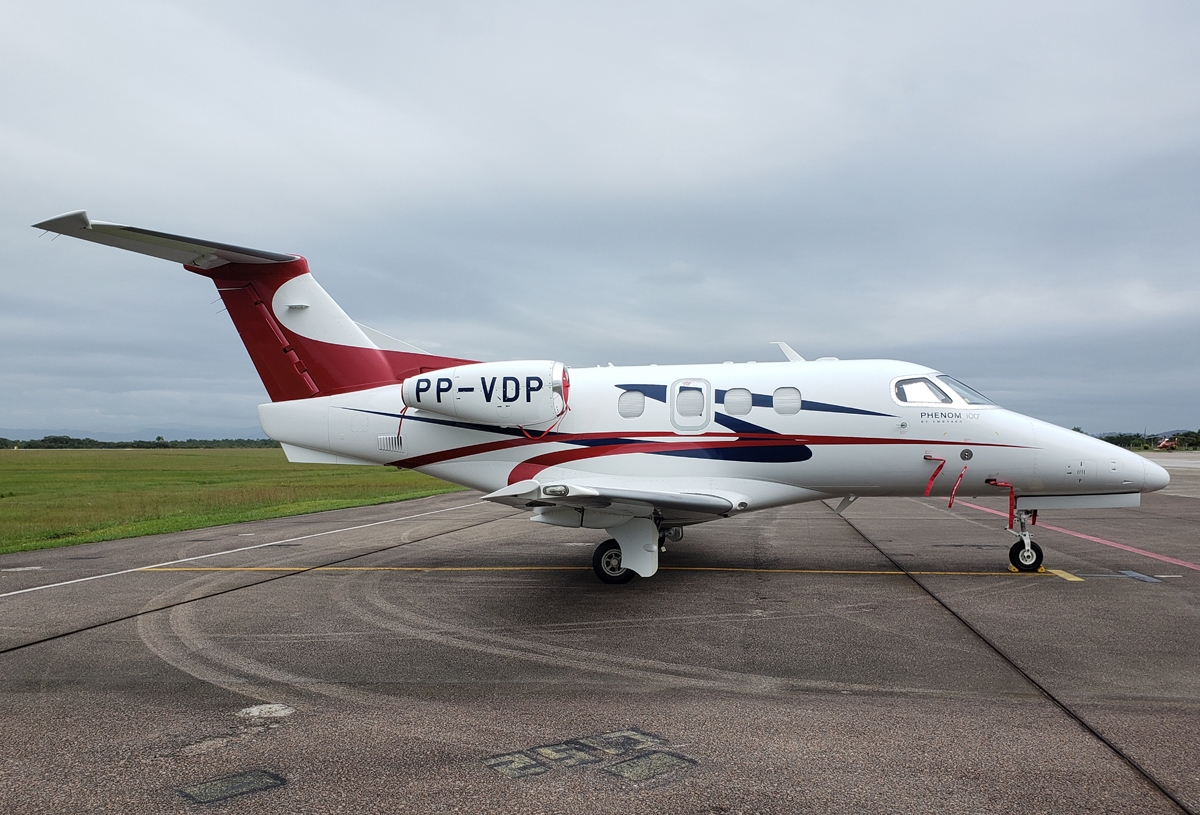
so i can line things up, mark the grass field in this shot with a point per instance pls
(61, 497)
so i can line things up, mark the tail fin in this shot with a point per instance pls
(300, 340)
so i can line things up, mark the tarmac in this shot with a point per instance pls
(448, 655)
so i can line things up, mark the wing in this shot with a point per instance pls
(682, 506)
(189, 251)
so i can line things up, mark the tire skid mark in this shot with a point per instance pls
(385, 615)
(177, 639)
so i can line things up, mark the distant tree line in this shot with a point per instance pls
(1186, 440)
(71, 443)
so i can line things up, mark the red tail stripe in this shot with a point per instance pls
(295, 367)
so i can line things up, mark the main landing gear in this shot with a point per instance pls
(1025, 555)
(607, 559)
(606, 562)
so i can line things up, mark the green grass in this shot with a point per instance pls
(62, 497)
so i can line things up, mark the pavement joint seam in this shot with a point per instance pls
(1061, 705)
(271, 579)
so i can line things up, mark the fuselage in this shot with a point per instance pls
(638, 451)
(775, 433)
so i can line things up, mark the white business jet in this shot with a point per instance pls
(643, 451)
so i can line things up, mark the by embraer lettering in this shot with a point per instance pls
(509, 388)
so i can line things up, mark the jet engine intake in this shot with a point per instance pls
(525, 393)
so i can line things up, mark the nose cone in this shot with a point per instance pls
(1156, 477)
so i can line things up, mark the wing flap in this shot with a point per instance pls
(534, 494)
(196, 252)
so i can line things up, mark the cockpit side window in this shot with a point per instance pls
(920, 390)
(968, 394)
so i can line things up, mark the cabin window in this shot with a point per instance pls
(786, 401)
(920, 390)
(968, 394)
(631, 404)
(738, 401)
(690, 401)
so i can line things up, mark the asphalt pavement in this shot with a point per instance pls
(446, 655)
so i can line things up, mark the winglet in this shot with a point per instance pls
(788, 352)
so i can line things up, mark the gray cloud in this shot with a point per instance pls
(1007, 192)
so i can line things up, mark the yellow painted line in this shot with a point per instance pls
(822, 571)
(1065, 575)
(892, 573)
(368, 569)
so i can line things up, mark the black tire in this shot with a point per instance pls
(606, 563)
(1021, 561)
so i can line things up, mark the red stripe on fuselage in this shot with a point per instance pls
(631, 445)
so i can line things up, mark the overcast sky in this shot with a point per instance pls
(1009, 192)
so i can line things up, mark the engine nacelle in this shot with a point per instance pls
(523, 393)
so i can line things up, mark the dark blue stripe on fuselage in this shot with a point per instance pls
(823, 407)
(656, 392)
(408, 417)
(756, 399)
(740, 425)
(759, 454)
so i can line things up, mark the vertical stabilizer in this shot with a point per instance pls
(301, 342)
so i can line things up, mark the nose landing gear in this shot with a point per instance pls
(1025, 555)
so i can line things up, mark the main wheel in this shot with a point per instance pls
(1025, 560)
(606, 562)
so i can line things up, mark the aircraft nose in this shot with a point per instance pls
(1156, 477)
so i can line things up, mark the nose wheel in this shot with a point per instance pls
(606, 563)
(1025, 556)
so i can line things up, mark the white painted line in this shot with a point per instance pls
(1161, 576)
(22, 569)
(1139, 576)
(271, 711)
(241, 549)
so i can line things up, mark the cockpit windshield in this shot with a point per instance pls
(920, 390)
(969, 395)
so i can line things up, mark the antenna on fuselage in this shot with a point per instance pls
(788, 352)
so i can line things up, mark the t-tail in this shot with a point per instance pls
(300, 340)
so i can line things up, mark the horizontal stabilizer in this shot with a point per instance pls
(303, 455)
(201, 254)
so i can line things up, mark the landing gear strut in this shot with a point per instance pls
(606, 562)
(1025, 555)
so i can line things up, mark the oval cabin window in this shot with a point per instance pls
(738, 402)
(631, 404)
(787, 401)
